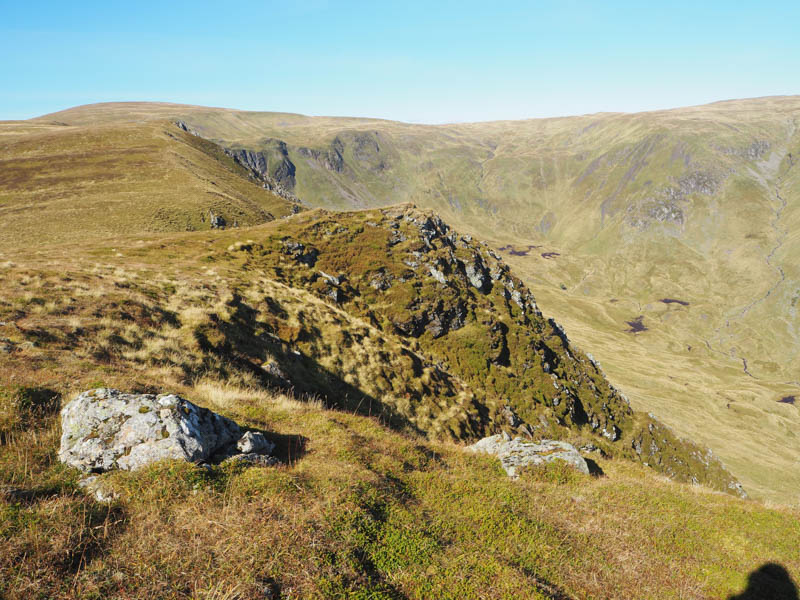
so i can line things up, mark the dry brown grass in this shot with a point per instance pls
(357, 511)
(362, 512)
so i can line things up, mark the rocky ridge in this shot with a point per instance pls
(457, 302)
(280, 179)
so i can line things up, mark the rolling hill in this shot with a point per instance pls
(662, 241)
(373, 296)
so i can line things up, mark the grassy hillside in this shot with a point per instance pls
(685, 218)
(296, 304)
(360, 510)
(369, 346)
(62, 183)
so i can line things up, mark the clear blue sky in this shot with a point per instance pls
(432, 61)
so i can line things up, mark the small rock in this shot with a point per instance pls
(274, 368)
(217, 221)
(256, 460)
(93, 485)
(254, 442)
(512, 418)
(438, 275)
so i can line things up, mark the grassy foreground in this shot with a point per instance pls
(362, 512)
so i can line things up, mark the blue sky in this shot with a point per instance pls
(414, 61)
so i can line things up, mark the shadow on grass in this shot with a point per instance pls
(770, 581)
(248, 350)
(289, 448)
(594, 469)
(28, 496)
(102, 523)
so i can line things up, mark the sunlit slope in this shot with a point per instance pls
(63, 183)
(683, 205)
(698, 205)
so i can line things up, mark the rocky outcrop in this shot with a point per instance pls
(258, 165)
(331, 159)
(105, 429)
(516, 454)
(271, 163)
(454, 299)
(298, 251)
(271, 167)
(216, 221)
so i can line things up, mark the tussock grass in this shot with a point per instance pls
(357, 511)
(366, 512)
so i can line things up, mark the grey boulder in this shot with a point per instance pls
(518, 453)
(105, 429)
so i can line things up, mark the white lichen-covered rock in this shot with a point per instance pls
(105, 429)
(518, 453)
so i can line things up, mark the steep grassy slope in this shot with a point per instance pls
(60, 182)
(685, 218)
(359, 510)
(383, 335)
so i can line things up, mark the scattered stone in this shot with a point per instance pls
(511, 417)
(253, 459)
(381, 281)
(217, 221)
(241, 246)
(94, 486)
(438, 275)
(274, 368)
(477, 274)
(516, 454)
(300, 253)
(333, 280)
